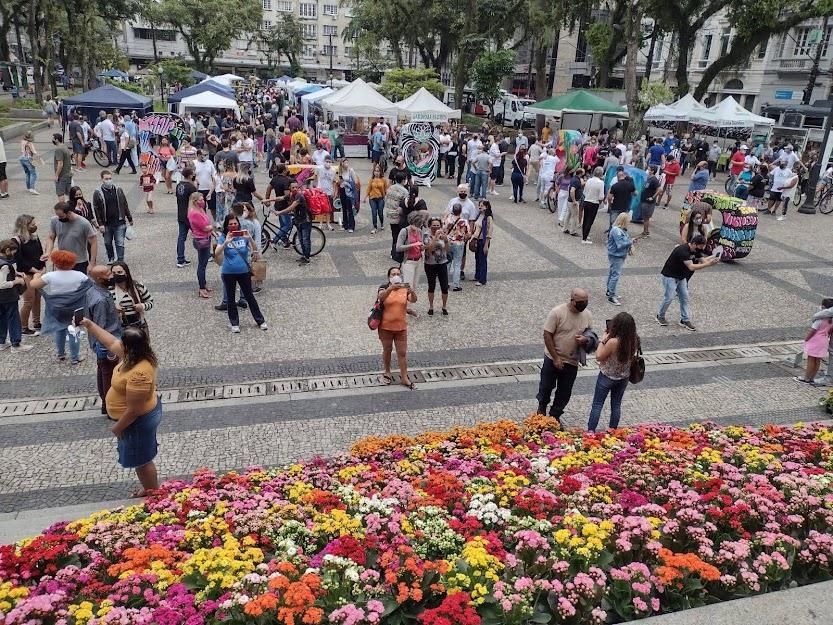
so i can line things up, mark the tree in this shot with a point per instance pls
(286, 38)
(649, 94)
(489, 70)
(371, 64)
(152, 12)
(209, 27)
(173, 71)
(398, 84)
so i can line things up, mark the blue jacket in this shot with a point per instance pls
(59, 308)
(618, 242)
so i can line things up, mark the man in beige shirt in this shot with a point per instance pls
(562, 336)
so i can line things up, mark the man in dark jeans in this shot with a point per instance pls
(562, 337)
(101, 309)
(303, 219)
(183, 194)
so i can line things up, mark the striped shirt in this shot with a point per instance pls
(127, 302)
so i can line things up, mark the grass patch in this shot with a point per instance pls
(5, 122)
(471, 120)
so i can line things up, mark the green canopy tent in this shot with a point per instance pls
(578, 102)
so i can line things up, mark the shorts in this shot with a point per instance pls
(78, 147)
(138, 445)
(148, 196)
(2, 172)
(775, 196)
(397, 336)
(668, 188)
(646, 209)
(62, 186)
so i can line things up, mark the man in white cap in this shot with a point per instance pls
(750, 159)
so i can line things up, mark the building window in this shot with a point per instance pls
(328, 50)
(329, 29)
(307, 9)
(724, 42)
(706, 50)
(265, 25)
(348, 51)
(749, 102)
(309, 31)
(284, 6)
(581, 45)
(581, 81)
(331, 9)
(161, 35)
(309, 50)
(762, 49)
(825, 43)
(348, 9)
(802, 45)
(267, 5)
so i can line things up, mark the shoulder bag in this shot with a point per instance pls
(637, 365)
(374, 320)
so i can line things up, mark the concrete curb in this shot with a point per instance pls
(18, 128)
(807, 605)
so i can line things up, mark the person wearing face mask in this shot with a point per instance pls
(469, 212)
(12, 284)
(132, 298)
(410, 244)
(459, 232)
(399, 169)
(113, 215)
(395, 295)
(563, 334)
(326, 181)
(28, 262)
(205, 172)
(71, 232)
(201, 230)
(436, 263)
(234, 247)
(63, 167)
(694, 224)
(100, 307)
(349, 193)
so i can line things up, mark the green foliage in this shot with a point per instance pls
(173, 71)
(285, 38)
(488, 72)
(652, 93)
(599, 37)
(398, 84)
(369, 62)
(135, 87)
(209, 27)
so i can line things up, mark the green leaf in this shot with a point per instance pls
(541, 617)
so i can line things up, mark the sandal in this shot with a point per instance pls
(445, 312)
(387, 378)
(805, 381)
(430, 312)
(203, 293)
(409, 386)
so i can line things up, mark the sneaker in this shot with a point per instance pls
(235, 329)
(242, 304)
(457, 288)
(257, 289)
(661, 320)
(28, 331)
(781, 218)
(350, 230)
(263, 326)
(221, 307)
(33, 192)
(687, 325)
(462, 275)
(3, 196)
(184, 263)
(614, 300)
(373, 231)
(587, 242)
(22, 348)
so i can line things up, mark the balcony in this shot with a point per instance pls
(794, 66)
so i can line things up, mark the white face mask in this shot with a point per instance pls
(396, 279)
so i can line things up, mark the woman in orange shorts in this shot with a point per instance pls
(394, 296)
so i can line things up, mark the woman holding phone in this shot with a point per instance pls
(614, 354)
(234, 248)
(393, 329)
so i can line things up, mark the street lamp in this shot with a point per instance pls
(330, 36)
(809, 206)
(161, 71)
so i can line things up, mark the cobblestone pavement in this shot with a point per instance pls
(317, 327)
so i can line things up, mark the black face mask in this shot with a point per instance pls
(63, 219)
(109, 282)
(119, 278)
(580, 306)
(462, 196)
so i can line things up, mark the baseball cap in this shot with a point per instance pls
(744, 147)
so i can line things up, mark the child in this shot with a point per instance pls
(148, 183)
(815, 344)
(11, 286)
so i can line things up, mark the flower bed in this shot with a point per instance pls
(502, 523)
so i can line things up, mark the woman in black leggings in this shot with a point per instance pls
(519, 167)
(436, 263)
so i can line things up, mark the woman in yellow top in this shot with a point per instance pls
(132, 401)
(300, 141)
(377, 188)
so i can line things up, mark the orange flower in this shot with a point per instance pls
(313, 616)
(677, 565)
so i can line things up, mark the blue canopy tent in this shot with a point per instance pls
(208, 85)
(227, 90)
(198, 75)
(106, 98)
(308, 89)
(114, 73)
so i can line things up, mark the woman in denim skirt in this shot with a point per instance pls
(132, 401)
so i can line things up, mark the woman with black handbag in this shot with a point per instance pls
(132, 298)
(618, 355)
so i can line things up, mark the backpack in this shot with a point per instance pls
(317, 202)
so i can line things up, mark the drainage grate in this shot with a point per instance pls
(371, 380)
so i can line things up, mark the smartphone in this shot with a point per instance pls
(77, 316)
(607, 324)
(717, 252)
(237, 233)
(406, 285)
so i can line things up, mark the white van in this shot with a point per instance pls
(509, 111)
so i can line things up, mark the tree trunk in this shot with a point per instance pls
(651, 48)
(20, 71)
(633, 20)
(685, 40)
(34, 46)
(553, 61)
(540, 68)
(49, 49)
(153, 39)
(464, 53)
(397, 52)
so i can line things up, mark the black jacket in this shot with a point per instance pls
(100, 209)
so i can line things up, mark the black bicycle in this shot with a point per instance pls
(100, 156)
(270, 231)
(824, 200)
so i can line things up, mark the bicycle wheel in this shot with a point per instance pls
(101, 158)
(266, 235)
(317, 241)
(825, 202)
(798, 200)
(552, 202)
(728, 185)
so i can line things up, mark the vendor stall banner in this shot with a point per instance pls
(639, 176)
(420, 146)
(152, 128)
(568, 150)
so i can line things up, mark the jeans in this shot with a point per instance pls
(283, 232)
(517, 186)
(456, 263)
(480, 262)
(184, 229)
(103, 377)
(394, 233)
(230, 282)
(10, 323)
(115, 234)
(377, 212)
(460, 168)
(616, 388)
(499, 174)
(449, 164)
(672, 286)
(30, 172)
(112, 152)
(616, 263)
(304, 232)
(481, 184)
(338, 150)
(590, 210)
(348, 218)
(62, 337)
(202, 262)
(559, 379)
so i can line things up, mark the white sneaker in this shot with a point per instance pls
(781, 218)
(22, 348)
(33, 192)
(263, 326)
(373, 231)
(235, 329)
(587, 242)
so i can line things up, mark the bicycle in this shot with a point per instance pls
(824, 201)
(269, 231)
(801, 191)
(100, 156)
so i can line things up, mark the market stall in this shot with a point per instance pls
(227, 79)
(680, 111)
(310, 100)
(578, 109)
(424, 106)
(352, 106)
(208, 101)
(107, 98)
(729, 119)
(209, 86)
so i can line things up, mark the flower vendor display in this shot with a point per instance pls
(499, 524)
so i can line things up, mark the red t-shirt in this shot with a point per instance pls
(672, 170)
(286, 142)
(738, 160)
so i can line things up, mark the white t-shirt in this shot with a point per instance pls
(326, 179)
(548, 165)
(790, 193)
(445, 143)
(205, 174)
(780, 177)
(108, 130)
(472, 149)
(791, 158)
(494, 155)
(63, 281)
(534, 152)
(2, 151)
(318, 157)
(751, 159)
(248, 145)
(470, 211)
(594, 190)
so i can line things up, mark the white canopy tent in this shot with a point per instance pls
(729, 114)
(227, 79)
(206, 101)
(358, 99)
(310, 98)
(292, 85)
(680, 111)
(423, 106)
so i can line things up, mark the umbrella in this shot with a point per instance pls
(577, 101)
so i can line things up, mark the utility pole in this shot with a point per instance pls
(814, 70)
(330, 36)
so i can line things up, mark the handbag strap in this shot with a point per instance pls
(245, 260)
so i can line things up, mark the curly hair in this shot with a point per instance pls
(62, 259)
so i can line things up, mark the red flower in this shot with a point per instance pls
(456, 609)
